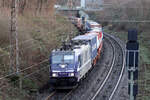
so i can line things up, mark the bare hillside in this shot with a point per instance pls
(40, 30)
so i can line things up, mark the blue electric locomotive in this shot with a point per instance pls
(69, 64)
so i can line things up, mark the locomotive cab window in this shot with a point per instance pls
(68, 58)
(58, 59)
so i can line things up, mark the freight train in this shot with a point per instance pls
(72, 61)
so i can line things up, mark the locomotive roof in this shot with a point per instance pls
(84, 37)
(96, 29)
(93, 22)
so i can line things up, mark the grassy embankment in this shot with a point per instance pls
(42, 33)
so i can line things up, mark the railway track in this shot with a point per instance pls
(59, 94)
(104, 86)
(107, 90)
(123, 67)
(111, 68)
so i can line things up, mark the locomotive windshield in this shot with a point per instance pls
(68, 58)
(58, 59)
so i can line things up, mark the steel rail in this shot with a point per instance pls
(107, 77)
(100, 88)
(122, 71)
(2, 77)
(64, 97)
(49, 96)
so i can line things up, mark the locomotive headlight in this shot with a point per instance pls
(54, 74)
(71, 74)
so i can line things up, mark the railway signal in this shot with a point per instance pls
(132, 52)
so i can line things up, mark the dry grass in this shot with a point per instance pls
(38, 35)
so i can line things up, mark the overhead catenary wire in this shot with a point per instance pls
(36, 71)
(14, 73)
(20, 70)
(35, 47)
(28, 75)
(125, 21)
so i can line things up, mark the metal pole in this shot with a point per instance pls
(132, 63)
(132, 69)
(131, 84)
(16, 37)
(14, 50)
(12, 36)
(17, 48)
